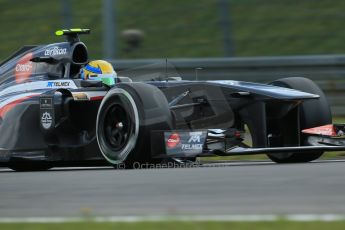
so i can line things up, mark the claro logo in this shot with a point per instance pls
(23, 68)
(173, 140)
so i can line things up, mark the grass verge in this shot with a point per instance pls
(264, 225)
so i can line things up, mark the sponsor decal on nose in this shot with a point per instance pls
(173, 140)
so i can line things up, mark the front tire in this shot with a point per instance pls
(313, 113)
(126, 117)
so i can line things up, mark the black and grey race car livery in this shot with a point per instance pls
(50, 117)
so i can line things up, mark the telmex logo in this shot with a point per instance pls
(193, 142)
(55, 51)
(173, 140)
(23, 68)
(58, 83)
(194, 137)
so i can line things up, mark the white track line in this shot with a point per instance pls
(202, 218)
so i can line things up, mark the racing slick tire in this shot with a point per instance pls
(313, 113)
(127, 115)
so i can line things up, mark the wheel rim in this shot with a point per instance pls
(117, 127)
(120, 97)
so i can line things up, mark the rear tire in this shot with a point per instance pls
(126, 117)
(313, 113)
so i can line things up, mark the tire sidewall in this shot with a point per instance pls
(313, 113)
(117, 95)
(151, 113)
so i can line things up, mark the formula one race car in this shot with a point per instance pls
(50, 117)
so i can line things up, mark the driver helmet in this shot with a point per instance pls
(99, 70)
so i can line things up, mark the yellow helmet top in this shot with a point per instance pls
(99, 70)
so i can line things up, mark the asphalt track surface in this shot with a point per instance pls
(228, 188)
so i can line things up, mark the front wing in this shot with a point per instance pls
(202, 143)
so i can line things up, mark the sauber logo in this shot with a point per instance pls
(173, 140)
(58, 83)
(55, 51)
(46, 120)
(24, 68)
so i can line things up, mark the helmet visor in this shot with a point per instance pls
(108, 79)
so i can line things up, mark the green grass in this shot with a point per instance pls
(177, 28)
(282, 225)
